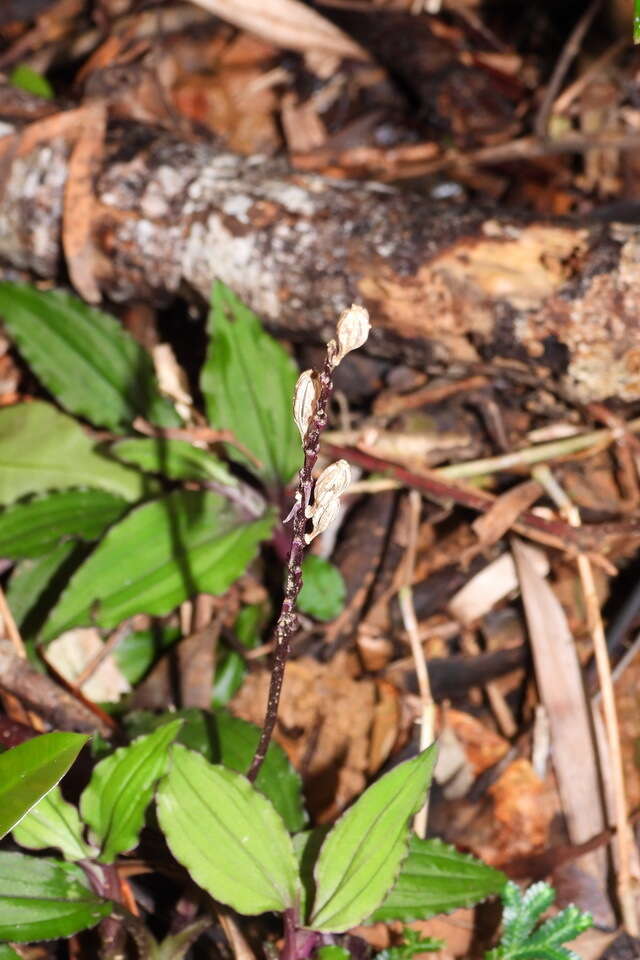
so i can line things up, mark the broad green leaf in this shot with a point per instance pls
(158, 556)
(137, 651)
(36, 584)
(174, 458)
(43, 899)
(230, 666)
(361, 856)
(436, 878)
(42, 449)
(307, 846)
(227, 835)
(248, 381)
(221, 738)
(26, 78)
(84, 358)
(33, 528)
(323, 589)
(277, 779)
(53, 823)
(29, 771)
(120, 790)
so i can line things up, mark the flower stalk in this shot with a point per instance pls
(310, 408)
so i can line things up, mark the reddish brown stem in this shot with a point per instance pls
(287, 620)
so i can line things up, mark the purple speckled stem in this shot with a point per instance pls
(287, 620)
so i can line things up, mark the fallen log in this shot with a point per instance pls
(140, 213)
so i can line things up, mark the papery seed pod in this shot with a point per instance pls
(333, 481)
(305, 400)
(323, 513)
(352, 331)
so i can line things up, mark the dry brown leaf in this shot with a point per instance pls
(482, 746)
(324, 724)
(562, 693)
(73, 651)
(522, 813)
(287, 24)
(492, 525)
(492, 584)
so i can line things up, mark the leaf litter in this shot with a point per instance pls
(329, 96)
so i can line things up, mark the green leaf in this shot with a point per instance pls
(120, 790)
(53, 823)
(34, 528)
(237, 742)
(636, 21)
(436, 878)
(84, 358)
(137, 651)
(332, 952)
(230, 666)
(30, 770)
(158, 556)
(174, 458)
(520, 915)
(42, 449)
(26, 78)
(43, 899)
(248, 382)
(323, 589)
(307, 846)
(228, 740)
(361, 856)
(176, 946)
(522, 911)
(227, 835)
(33, 580)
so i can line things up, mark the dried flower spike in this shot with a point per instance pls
(352, 332)
(305, 400)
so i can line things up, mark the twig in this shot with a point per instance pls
(569, 52)
(536, 454)
(311, 402)
(624, 836)
(574, 89)
(410, 623)
(551, 533)
(10, 626)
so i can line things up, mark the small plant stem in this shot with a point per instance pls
(289, 951)
(293, 584)
(624, 835)
(235, 937)
(410, 623)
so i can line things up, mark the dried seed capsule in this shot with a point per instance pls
(305, 400)
(332, 482)
(323, 515)
(352, 332)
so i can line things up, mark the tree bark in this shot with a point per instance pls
(147, 215)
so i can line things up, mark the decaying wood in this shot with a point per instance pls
(448, 289)
(38, 692)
